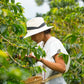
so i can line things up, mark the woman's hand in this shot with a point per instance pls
(31, 56)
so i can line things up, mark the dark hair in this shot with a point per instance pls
(47, 31)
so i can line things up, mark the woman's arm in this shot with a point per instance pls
(59, 64)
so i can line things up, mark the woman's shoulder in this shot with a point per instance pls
(55, 40)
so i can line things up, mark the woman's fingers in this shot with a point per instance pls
(31, 56)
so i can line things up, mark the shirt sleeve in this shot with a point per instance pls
(57, 47)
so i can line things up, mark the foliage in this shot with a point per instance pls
(14, 65)
(39, 2)
(62, 3)
(68, 22)
(38, 15)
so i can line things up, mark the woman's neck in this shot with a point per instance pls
(46, 37)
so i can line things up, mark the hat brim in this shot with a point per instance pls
(36, 31)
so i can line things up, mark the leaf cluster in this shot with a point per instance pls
(15, 65)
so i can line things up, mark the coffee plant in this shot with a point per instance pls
(15, 65)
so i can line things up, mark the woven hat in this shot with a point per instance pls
(36, 25)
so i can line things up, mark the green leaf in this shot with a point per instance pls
(67, 37)
(79, 55)
(43, 69)
(35, 52)
(73, 39)
(13, 1)
(19, 7)
(44, 53)
(0, 39)
(33, 60)
(10, 49)
(23, 53)
(3, 28)
(83, 47)
(18, 29)
(15, 9)
(38, 56)
(39, 51)
(6, 1)
(30, 61)
(38, 69)
(28, 51)
(65, 57)
(39, 2)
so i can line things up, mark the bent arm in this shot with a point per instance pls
(59, 64)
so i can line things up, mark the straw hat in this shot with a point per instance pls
(36, 25)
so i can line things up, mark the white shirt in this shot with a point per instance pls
(52, 47)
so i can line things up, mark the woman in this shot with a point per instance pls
(53, 64)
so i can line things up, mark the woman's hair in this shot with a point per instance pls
(47, 31)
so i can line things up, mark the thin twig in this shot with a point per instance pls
(11, 43)
(17, 62)
(15, 46)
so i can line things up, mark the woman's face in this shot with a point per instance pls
(38, 37)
